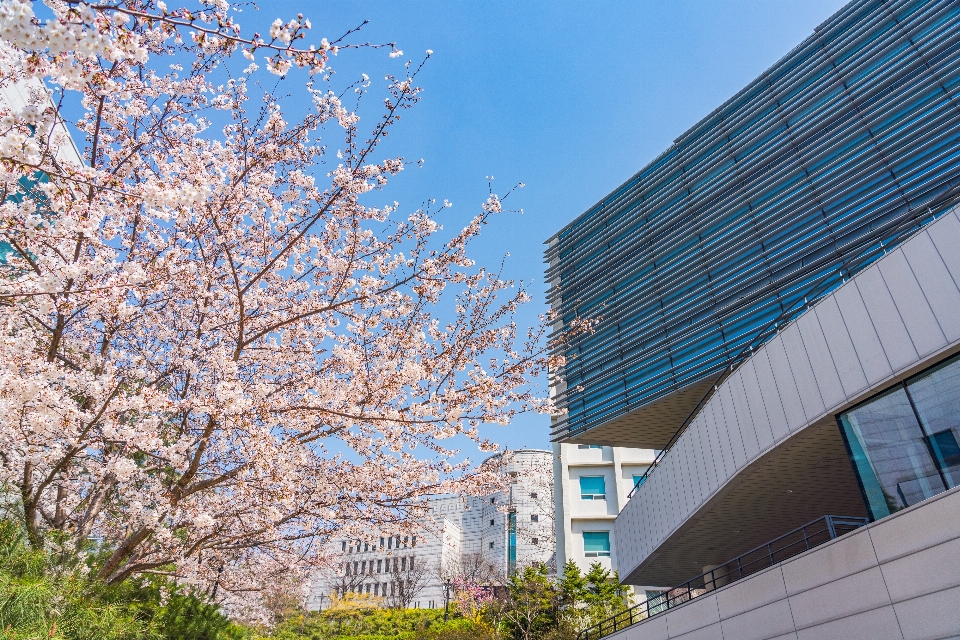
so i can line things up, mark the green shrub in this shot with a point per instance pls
(45, 594)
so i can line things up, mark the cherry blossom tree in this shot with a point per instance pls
(217, 349)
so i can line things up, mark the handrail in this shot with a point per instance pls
(820, 289)
(808, 536)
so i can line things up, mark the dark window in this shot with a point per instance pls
(493, 501)
(379, 566)
(534, 517)
(491, 545)
(343, 546)
(535, 541)
(491, 522)
(533, 495)
(945, 448)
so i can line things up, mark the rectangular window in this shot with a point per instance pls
(381, 542)
(589, 446)
(379, 566)
(592, 488)
(343, 546)
(366, 546)
(596, 544)
(376, 589)
(411, 563)
(390, 542)
(491, 545)
(656, 602)
(638, 480)
(491, 522)
(413, 541)
(903, 442)
(363, 567)
(403, 564)
(534, 517)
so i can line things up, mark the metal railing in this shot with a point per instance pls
(786, 546)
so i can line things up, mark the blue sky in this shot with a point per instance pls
(571, 98)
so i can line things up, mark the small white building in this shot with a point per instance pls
(482, 537)
(592, 486)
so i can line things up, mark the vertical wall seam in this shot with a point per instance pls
(885, 587)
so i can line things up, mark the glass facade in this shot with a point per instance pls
(833, 155)
(904, 442)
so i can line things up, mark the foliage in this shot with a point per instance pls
(529, 605)
(587, 599)
(204, 306)
(50, 595)
(361, 622)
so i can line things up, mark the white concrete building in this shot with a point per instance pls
(592, 485)
(483, 537)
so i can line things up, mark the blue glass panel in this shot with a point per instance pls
(592, 486)
(596, 541)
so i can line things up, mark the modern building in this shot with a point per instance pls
(482, 538)
(778, 298)
(592, 485)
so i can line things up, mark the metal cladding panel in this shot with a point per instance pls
(771, 396)
(824, 371)
(947, 244)
(748, 432)
(730, 434)
(912, 305)
(803, 376)
(864, 337)
(833, 339)
(758, 409)
(699, 430)
(701, 476)
(786, 385)
(823, 163)
(939, 289)
(717, 427)
(684, 481)
(842, 351)
(886, 318)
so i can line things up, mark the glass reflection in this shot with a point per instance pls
(904, 442)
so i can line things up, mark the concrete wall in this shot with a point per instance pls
(896, 579)
(574, 516)
(892, 319)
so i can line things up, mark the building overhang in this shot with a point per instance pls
(650, 426)
(765, 454)
(801, 480)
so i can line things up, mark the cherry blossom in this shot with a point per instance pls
(216, 351)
